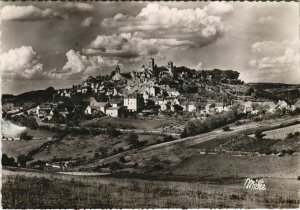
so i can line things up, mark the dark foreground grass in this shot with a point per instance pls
(59, 191)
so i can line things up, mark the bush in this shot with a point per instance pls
(115, 166)
(122, 160)
(168, 138)
(25, 136)
(112, 132)
(133, 138)
(237, 123)
(259, 134)
(290, 151)
(23, 159)
(8, 161)
(226, 128)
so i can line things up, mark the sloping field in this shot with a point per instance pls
(20, 147)
(240, 166)
(282, 133)
(42, 190)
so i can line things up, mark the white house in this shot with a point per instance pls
(189, 106)
(248, 107)
(88, 110)
(113, 111)
(133, 102)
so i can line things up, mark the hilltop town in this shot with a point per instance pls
(125, 111)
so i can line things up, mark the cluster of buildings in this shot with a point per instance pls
(144, 92)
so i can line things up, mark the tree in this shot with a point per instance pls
(115, 165)
(8, 161)
(112, 132)
(226, 128)
(25, 136)
(22, 159)
(259, 134)
(133, 138)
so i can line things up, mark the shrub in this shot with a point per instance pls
(259, 134)
(115, 166)
(226, 128)
(290, 135)
(122, 160)
(168, 138)
(8, 161)
(133, 138)
(112, 132)
(237, 123)
(25, 136)
(290, 151)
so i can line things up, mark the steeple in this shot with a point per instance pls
(117, 70)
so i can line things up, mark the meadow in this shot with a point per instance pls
(41, 190)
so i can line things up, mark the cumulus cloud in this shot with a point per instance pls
(88, 22)
(219, 8)
(132, 45)
(276, 59)
(12, 12)
(78, 7)
(199, 26)
(80, 67)
(20, 63)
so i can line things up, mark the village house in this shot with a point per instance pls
(134, 102)
(43, 109)
(113, 111)
(64, 112)
(219, 107)
(98, 105)
(88, 110)
(248, 108)
(116, 101)
(282, 105)
(296, 105)
(189, 106)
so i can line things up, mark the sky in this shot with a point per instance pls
(59, 44)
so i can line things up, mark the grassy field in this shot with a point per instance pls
(76, 146)
(33, 190)
(281, 133)
(240, 166)
(20, 147)
(132, 123)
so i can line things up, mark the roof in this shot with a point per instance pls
(102, 104)
(113, 108)
(297, 103)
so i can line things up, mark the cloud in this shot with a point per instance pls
(199, 66)
(79, 67)
(199, 26)
(275, 59)
(219, 8)
(129, 45)
(32, 13)
(266, 20)
(88, 22)
(20, 63)
(78, 7)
